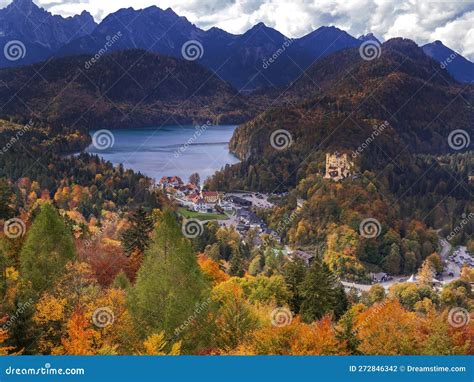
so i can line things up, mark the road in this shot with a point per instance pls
(251, 196)
(451, 267)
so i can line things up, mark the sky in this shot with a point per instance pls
(420, 20)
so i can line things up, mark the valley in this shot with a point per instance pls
(169, 189)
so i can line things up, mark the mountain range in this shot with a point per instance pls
(129, 88)
(261, 57)
(41, 33)
(397, 106)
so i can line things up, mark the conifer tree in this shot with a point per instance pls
(5, 200)
(294, 272)
(318, 291)
(48, 247)
(169, 283)
(137, 236)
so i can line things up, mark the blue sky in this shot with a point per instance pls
(420, 20)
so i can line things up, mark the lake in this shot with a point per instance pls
(168, 150)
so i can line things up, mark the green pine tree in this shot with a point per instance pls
(6, 195)
(137, 236)
(318, 291)
(237, 264)
(169, 283)
(49, 246)
(294, 272)
(121, 281)
(345, 331)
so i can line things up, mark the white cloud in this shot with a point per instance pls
(421, 20)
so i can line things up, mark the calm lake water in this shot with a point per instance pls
(169, 150)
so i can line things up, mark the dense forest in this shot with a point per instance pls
(94, 260)
(407, 172)
(131, 88)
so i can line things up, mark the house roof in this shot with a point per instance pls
(171, 179)
(210, 193)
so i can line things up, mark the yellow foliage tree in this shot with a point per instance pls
(156, 344)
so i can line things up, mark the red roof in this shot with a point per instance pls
(210, 193)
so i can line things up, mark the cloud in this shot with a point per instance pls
(420, 20)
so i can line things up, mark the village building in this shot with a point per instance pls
(171, 181)
(379, 277)
(306, 257)
(238, 201)
(338, 166)
(211, 197)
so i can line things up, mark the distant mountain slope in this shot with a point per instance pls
(123, 89)
(40, 32)
(459, 67)
(340, 100)
(261, 57)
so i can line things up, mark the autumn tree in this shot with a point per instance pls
(436, 262)
(211, 270)
(255, 266)
(195, 179)
(388, 329)
(156, 344)
(426, 273)
(296, 338)
(376, 294)
(80, 336)
(409, 294)
(4, 350)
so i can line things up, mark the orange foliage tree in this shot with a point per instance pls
(297, 338)
(211, 270)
